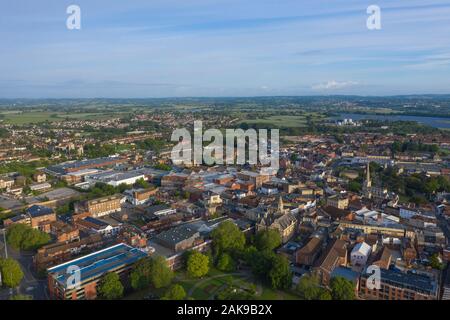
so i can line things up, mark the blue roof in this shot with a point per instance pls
(36, 211)
(409, 280)
(98, 263)
(96, 221)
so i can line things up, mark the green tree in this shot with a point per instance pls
(161, 275)
(141, 183)
(197, 264)
(259, 261)
(227, 237)
(175, 292)
(342, 289)
(152, 271)
(21, 236)
(436, 263)
(110, 287)
(309, 289)
(280, 274)
(140, 275)
(225, 263)
(11, 272)
(267, 240)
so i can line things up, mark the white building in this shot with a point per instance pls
(360, 254)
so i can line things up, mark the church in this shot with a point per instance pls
(373, 192)
(280, 219)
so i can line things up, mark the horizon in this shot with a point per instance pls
(180, 49)
(414, 95)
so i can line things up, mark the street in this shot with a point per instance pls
(30, 285)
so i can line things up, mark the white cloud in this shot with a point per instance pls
(334, 85)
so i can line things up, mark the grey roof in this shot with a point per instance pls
(177, 234)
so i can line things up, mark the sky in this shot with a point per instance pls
(204, 48)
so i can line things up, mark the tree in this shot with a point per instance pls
(309, 289)
(175, 292)
(11, 272)
(140, 275)
(197, 264)
(141, 183)
(259, 261)
(267, 240)
(436, 263)
(225, 263)
(152, 271)
(342, 289)
(110, 287)
(227, 237)
(280, 274)
(21, 236)
(161, 275)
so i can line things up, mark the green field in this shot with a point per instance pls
(19, 118)
(295, 121)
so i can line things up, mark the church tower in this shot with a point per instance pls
(280, 205)
(368, 181)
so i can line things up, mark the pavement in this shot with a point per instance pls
(30, 284)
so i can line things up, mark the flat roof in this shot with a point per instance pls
(98, 263)
(418, 282)
(63, 167)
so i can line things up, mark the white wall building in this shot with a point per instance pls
(360, 254)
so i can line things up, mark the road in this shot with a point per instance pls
(30, 285)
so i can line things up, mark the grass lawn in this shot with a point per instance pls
(210, 285)
(271, 294)
(294, 121)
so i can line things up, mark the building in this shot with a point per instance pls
(92, 267)
(255, 178)
(140, 196)
(159, 210)
(281, 220)
(73, 166)
(6, 183)
(308, 254)
(40, 186)
(397, 285)
(116, 178)
(393, 230)
(36, 216)
(39, 177)
(179, 238)
(93, 225)
(333, 257)
(99, 207)
(59, 252)
(64, 232)
(360, 254)
(338, 201)
(373, 192)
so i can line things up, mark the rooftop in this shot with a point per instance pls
(97, 263)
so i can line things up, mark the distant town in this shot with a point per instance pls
(93, 207)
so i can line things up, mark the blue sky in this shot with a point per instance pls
(178, 48)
